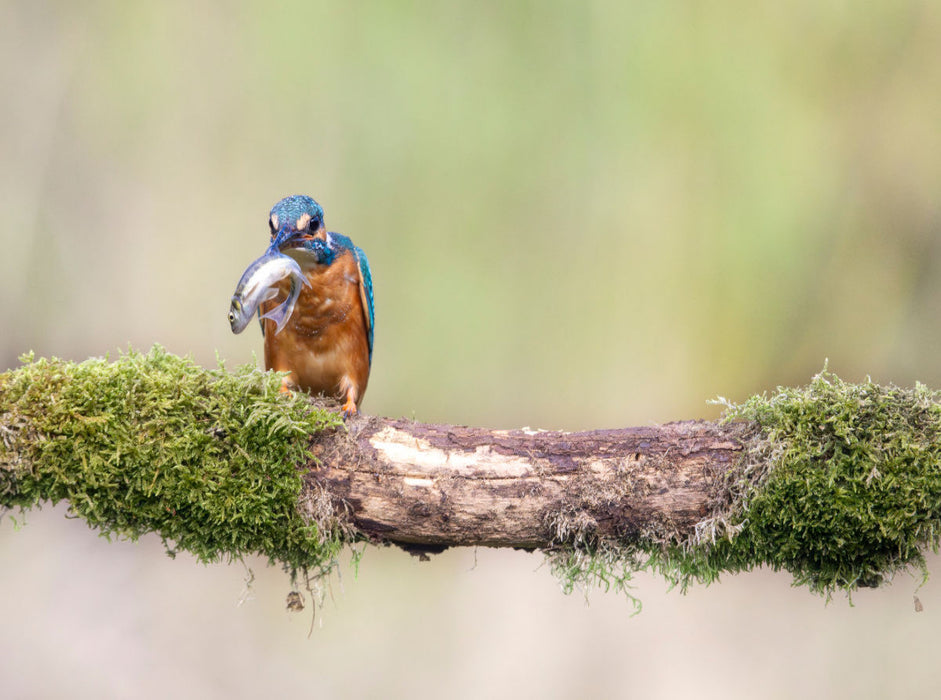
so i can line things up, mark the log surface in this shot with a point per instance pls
(441, 485)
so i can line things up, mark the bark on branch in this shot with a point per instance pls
(445, 485)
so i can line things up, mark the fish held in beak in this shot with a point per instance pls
(257, 286)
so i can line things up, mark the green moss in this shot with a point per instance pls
(208, 459)
(840, 485)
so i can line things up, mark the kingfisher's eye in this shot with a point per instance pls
(273, 223)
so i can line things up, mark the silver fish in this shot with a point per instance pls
(257, 286)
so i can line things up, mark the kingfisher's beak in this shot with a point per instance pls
(293, 240)
(285, 234)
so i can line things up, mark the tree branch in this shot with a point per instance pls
(838, 483)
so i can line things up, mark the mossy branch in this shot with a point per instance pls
(837, 483)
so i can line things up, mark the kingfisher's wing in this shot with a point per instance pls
(366, 293)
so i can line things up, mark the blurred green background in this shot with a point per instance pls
(578, 215)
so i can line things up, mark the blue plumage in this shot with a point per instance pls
(290, 209)
(365, 275)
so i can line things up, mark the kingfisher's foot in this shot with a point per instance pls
(349, 409)
(349, 391)
(287, 387)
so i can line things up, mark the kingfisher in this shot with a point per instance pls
(326, 344)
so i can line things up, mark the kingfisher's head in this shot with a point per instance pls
(296, 222)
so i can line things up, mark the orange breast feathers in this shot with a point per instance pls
(324, 345)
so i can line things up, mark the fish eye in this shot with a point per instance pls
(231, 316)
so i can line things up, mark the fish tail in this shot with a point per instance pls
(280, 315)
(282, 312)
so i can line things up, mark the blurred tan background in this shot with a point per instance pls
(578, 215)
